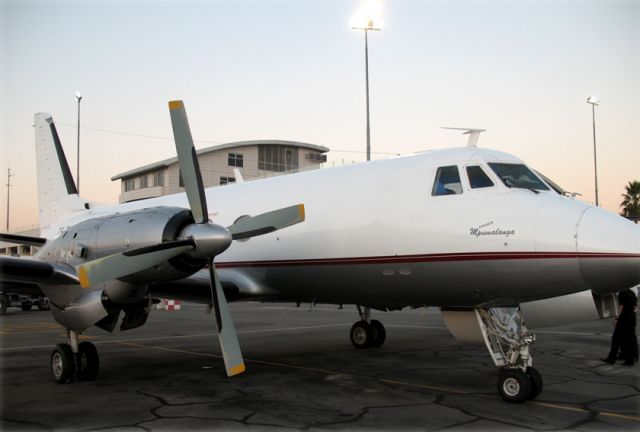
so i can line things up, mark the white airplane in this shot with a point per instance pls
(472, 231)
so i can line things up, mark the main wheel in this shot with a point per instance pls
(514, 385)
(361, 334)
(88, 362)
(536, 382)
(379, 334)
(4, 303)
(26, 306)
(63, 365)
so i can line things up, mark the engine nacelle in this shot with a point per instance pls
(102, 236)
(120, 232)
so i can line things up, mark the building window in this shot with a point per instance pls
(144, 182)
(227, 180)
(129, 185)
(180, 182)
(316, 157)
(236, 160)
(275, 157)
(158, 178)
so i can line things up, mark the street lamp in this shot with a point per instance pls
(367, 26)
(594, 102)
(79, 98)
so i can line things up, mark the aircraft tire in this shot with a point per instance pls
(379, 334)
(26, 306)
(88, 362)
(536, 382)
(514, 386)
(4, 303)
(361, 334)
(63, 365)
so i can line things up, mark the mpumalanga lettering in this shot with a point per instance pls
(477, 232)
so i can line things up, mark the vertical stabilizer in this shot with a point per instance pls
(57, 193)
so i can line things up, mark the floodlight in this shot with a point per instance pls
(78, 96)
(593, 100)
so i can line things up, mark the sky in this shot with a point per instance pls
(294, 70)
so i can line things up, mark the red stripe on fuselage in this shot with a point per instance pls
(402, 259)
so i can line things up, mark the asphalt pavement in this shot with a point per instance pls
(304, 374)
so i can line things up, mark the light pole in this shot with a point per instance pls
(8, 186)
(79, 98)
(368, 27)
(594, 102)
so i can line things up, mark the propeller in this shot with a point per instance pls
(201, 239)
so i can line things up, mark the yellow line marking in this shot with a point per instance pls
(176, 104)
(389, 381)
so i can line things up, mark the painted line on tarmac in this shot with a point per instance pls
(390, 381)
(158, 338)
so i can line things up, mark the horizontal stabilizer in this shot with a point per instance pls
(22, 240)
(34, 271)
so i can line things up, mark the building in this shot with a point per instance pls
(253, 159)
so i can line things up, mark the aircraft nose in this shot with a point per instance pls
(608, 251)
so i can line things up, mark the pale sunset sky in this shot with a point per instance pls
(294, 70)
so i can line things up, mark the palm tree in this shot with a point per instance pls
(631, 202)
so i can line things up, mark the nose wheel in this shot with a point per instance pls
(67, 363)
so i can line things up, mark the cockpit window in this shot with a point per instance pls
(555, 186)
(447, 181)
(478, 178)
(517, 176)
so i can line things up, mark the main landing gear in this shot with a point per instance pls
(508, 340)
(74, 360)
(367, 333)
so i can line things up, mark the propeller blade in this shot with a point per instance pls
(267, 222)
(188, 161)
(126, 263)
(233, 362)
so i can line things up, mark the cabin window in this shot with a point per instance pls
(478, 178)
(517, 176)
(447, 181)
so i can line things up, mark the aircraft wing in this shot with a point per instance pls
(26, 271)
(236, 284)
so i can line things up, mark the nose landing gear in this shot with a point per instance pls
(508, 340)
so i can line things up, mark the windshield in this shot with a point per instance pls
(518, 176)
(555, 186)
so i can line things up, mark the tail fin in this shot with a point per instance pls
(57, 193)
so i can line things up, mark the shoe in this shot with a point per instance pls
(628, 363)
(607, 360)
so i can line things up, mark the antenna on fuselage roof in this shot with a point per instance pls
(473, 135)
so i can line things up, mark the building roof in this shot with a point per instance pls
(167, 162)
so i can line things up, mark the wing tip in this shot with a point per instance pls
(301, 212)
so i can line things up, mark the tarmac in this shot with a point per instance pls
(304, 374)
